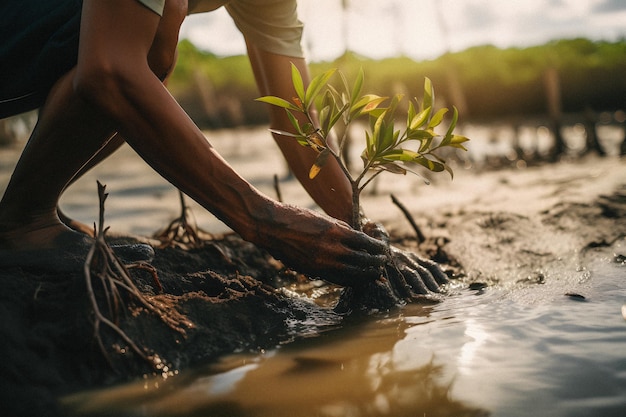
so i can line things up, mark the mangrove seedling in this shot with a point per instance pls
(387, 148)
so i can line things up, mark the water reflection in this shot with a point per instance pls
(477, 337)
(475, 354)
(367, 369)
(469, 356)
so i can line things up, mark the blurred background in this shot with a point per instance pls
(547, 76)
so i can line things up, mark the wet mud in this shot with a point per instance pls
(233, 297)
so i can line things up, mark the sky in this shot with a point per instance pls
(424, 29)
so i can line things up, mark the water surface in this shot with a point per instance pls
(478, 353)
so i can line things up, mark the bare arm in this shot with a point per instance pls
(113, 76)
(330, 189)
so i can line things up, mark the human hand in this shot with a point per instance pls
(408, 274)
(411, 276)
(321, 246)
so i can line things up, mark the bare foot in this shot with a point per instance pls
(56, 247)
(53, 235)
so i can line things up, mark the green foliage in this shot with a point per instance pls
(496, 82)
(232, 73)
(386, 147)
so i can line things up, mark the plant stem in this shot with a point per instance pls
(356, 206)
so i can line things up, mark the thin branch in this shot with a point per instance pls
(419, 235)
(279, 196)
(370, 179)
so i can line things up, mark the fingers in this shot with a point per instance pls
(399, 284)
(355, 268)
(362, 242)
(432, 267)
(415, 271)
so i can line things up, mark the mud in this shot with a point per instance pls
(237, 298)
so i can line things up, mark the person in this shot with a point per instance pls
(96, 69)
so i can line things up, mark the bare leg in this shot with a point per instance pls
(70, 138)
(161, 59)
(67, 135)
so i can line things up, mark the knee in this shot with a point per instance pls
(162, 61)
(91, 81)
(101, 84)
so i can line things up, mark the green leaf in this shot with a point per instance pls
(378, 130)
(420, 119)
(393, 168)
(335, 118)
(302, 140)
(324, 118)
(284, 133)
(336, 95)
(410, 114)
(344, 81)
(391, 110)
(430, 164)
(448, 137)
(376, 113)
(420, 134)
(426, 144)
(279, 102)
(457, 140)
(315, 86)
(366, 104)
(404, 155)
(369, 145)
(387, 137)
(437, 118)
(295, 123)
(356, 88)
(429, 94)
(298, 84)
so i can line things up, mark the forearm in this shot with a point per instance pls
(171, 143)
(330, 189)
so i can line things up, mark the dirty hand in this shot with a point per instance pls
(408, 274)
(321, 246)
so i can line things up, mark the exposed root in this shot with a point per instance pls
(116, 287)
(150, 270)
(182, 232)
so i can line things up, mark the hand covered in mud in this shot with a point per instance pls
(322, 246)
(408, 275)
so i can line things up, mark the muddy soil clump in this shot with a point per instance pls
(227, 292)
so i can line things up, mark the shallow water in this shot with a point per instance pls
(504, 351)
(479, 353)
